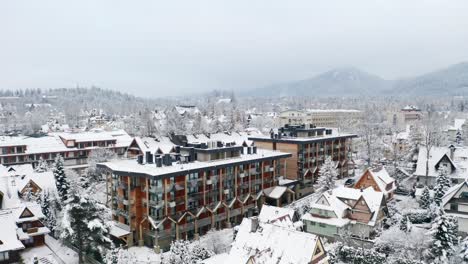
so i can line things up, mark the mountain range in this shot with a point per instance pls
(350, 81)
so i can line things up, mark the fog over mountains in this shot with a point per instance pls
(349, 81)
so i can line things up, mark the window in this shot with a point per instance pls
(464, 195)
(4, 256)
(453, 207)
(322, 225)
(312, 223)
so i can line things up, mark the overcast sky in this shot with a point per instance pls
(160, 48)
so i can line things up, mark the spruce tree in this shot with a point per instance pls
(47, 202)
(61, 180)
(41, 166)
(327, 175)
(464, 250)
(425, 199)
(444, 237)
(84, 225)
(405, 224)
(442, 185)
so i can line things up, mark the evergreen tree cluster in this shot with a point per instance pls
(327, 176)
(61, 180)
(444, 237)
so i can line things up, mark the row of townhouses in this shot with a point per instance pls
(74, 147)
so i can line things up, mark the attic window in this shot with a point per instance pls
(1, 242)
(363, 203)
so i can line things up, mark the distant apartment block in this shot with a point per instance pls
(73, 147)
(309, 146)
(407, 115)
(318, 117)
(196, 187)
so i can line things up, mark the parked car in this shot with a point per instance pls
(349, 182)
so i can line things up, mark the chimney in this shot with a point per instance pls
(149, 157)
(254, 224)
(140, 159)
(158, 162)
(452, 151)
(167, 161)
(192, 154)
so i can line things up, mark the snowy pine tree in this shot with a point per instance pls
(61, 180)
(405, 224)
(327, 175)
(425, 200)
(42, 166)
(48, 206)
(442, 185)
(444, 237)
(84, 227)
(464, 250)
(84, 223)
(183, 252)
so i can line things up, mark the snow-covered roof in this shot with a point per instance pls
(131, 165)
(153, 144)
(452, 191)
(119, 229)
(33, 207)
(270, 243)
(53, 142)
(8, 236)
(238, 137)
(459, 161)
(45, 180)
(190, 109)
(275, 192)
(336, 201)
(457, 124)
(381, 178)
(270, 214)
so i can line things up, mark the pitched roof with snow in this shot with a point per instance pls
(336, 201)
(270, 243)
(459, 161)
(270, 213)
(8, 236)
(381, 178)
(44, 180)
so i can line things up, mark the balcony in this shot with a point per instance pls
(32, 230)
(156, 189)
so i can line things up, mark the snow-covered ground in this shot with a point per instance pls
(218, 241)
(43, 254)
(144, 255)
(67, 255)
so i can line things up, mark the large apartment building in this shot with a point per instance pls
(309, 146)
(162, 197)
(319, 117)
(74, 147)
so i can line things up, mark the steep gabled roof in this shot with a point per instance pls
(452, 191)
(270, 243)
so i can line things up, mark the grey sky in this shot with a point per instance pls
(159, 48)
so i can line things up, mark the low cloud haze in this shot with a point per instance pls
(161, 48)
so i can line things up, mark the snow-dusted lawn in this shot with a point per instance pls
(218, 241)
(42, 253)
(67, 255)
(404, 203)
(144, 255)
